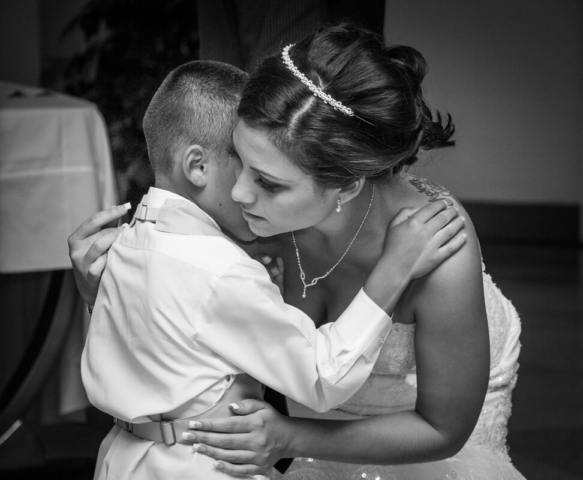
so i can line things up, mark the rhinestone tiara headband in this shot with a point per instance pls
(317, 91)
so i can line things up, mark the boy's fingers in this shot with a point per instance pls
(453, 246)
(279, 280)
(263, 258)
(402, 215)
(441, 219)
(446, 233)
(428, 211)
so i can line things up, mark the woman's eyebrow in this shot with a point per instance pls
(267, 174)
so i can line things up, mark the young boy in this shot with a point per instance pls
(183, 314)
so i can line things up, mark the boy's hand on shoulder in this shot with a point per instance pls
(419, 240)
(416, 242)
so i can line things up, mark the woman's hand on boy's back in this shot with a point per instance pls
(249, 443)
(88, 246)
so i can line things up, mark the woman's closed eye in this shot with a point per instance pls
(270, 187)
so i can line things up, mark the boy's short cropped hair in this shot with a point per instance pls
(196, 104)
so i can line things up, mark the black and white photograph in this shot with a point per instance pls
(291, 239)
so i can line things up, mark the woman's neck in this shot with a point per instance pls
(340, 228)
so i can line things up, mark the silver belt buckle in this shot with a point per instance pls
(127, 426)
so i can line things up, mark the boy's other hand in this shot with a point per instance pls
(275, 268)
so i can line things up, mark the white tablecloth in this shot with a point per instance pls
(55, 171)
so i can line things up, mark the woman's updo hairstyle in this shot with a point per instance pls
(382, 85)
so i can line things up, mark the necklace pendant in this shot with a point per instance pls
(315, 280)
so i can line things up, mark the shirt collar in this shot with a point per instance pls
(177, 212)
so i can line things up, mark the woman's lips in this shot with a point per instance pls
(250, 217)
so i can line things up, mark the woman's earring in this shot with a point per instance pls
(338, 206)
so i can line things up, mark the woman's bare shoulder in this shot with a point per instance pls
(429, 191)
(461, 272)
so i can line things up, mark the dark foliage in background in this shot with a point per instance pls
(131, 45)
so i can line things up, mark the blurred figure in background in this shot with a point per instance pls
(242, 32)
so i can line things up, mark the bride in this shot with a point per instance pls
(340, 112)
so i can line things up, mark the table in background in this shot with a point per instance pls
(55, 171)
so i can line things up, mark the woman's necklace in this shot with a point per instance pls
(315, 280)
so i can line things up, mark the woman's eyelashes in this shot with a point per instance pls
(270, 187)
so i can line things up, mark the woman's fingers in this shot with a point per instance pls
(239, 470)
(225, 441)
(98, 221)
(102, 242)
(96, 268)
(230, 456)
(221, 425)
(238, 424)
(248, 406)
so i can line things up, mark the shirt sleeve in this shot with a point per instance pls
(245, 320)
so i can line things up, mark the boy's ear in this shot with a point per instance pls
(348, 192)
(195, 165)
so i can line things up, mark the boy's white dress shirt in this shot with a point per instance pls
(181, 310)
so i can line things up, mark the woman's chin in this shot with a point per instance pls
(260, 232)
(263, 229)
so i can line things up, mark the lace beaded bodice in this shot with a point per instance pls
(392, 385)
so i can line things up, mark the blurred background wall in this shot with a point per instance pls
(20, 41)
(511, 74)
(509, 71)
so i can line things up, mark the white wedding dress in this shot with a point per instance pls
(392, 388)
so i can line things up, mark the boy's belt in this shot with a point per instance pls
(166, 431)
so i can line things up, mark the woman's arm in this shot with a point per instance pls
(452, 352)
(452, 357)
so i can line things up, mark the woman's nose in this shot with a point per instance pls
(241, 192)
